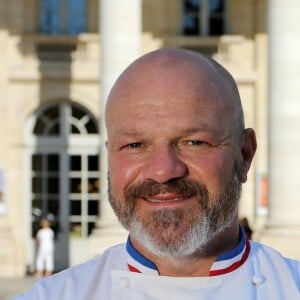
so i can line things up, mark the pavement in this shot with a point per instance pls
(9, 287)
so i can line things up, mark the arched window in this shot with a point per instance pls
(78, 121)
(65, 173)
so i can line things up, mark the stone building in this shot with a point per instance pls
(58, 61)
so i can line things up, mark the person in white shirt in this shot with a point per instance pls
(178, 153)
(45, 253)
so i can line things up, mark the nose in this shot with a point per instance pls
(164, 164)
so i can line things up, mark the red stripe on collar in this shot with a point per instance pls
(235, 265)
(133, 269)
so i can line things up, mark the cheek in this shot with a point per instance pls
(122, 173)
(214, 172)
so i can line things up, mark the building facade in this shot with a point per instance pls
(58, 61)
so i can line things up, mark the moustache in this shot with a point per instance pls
(183, 187)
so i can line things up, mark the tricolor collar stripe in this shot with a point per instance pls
(135, 258)
(233, 266)
(224, 263)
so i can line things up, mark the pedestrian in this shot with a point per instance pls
(178, 153)
(45, 246)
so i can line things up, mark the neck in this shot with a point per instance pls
(197, 265)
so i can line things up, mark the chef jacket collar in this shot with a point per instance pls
(224, 263)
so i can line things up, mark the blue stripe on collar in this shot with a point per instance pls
(237, 250)
(224, 263)
(138, 257)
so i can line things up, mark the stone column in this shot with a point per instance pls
(120, 33)
(284, 122)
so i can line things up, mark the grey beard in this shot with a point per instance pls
(158, 232)
(204, 228)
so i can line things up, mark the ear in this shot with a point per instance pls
(248, 148)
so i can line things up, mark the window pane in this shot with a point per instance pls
(213, 18)
(216, 21)
(37, 162)
(50, 16)
(48, 122)
(74, 130)
(53, 208)
(93, 163)
(77, 113)
(216, 26)
(75, 163)
(191, 17)
(52, 113)
(216, 5)
(93, 185)
(37, 208)
(37, 185)
(75, 185)
(191, 25)
(54, 129)
(39, 127)
(93, 207)
(76, 16)
(75, 208)
(53, 162)
(91, 127)
(53, 185)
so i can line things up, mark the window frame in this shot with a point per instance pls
(204, 16)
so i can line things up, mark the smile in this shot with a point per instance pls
(154, 200)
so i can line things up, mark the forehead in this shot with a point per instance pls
(167, 87)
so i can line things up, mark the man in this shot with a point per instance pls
(178, 153)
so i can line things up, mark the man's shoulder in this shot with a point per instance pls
(270, 258)
(263, 249)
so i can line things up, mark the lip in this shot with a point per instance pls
(167, 199)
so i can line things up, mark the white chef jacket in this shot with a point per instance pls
(250, 271)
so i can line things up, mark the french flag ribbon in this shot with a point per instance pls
(138, 263)
(224, 263)
(233, 259)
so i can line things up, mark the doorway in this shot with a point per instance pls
(65, 174)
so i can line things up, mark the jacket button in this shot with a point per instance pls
(256, 279)
(124, 283)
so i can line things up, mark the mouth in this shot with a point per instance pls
(166, 198)
(153, 200)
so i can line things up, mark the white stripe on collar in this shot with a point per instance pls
(224, 263)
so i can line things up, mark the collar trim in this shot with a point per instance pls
(227, 266)
(223, 264)
(137, 262)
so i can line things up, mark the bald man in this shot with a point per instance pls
(178, 153)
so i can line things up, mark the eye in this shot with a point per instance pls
(135, 145)
(196, 143)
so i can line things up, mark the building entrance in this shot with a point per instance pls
(65, 174)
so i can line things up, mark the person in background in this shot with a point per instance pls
(178, 154)
(45, 253)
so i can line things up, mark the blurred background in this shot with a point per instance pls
(58, 60)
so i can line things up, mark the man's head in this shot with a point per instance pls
(177, 151)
